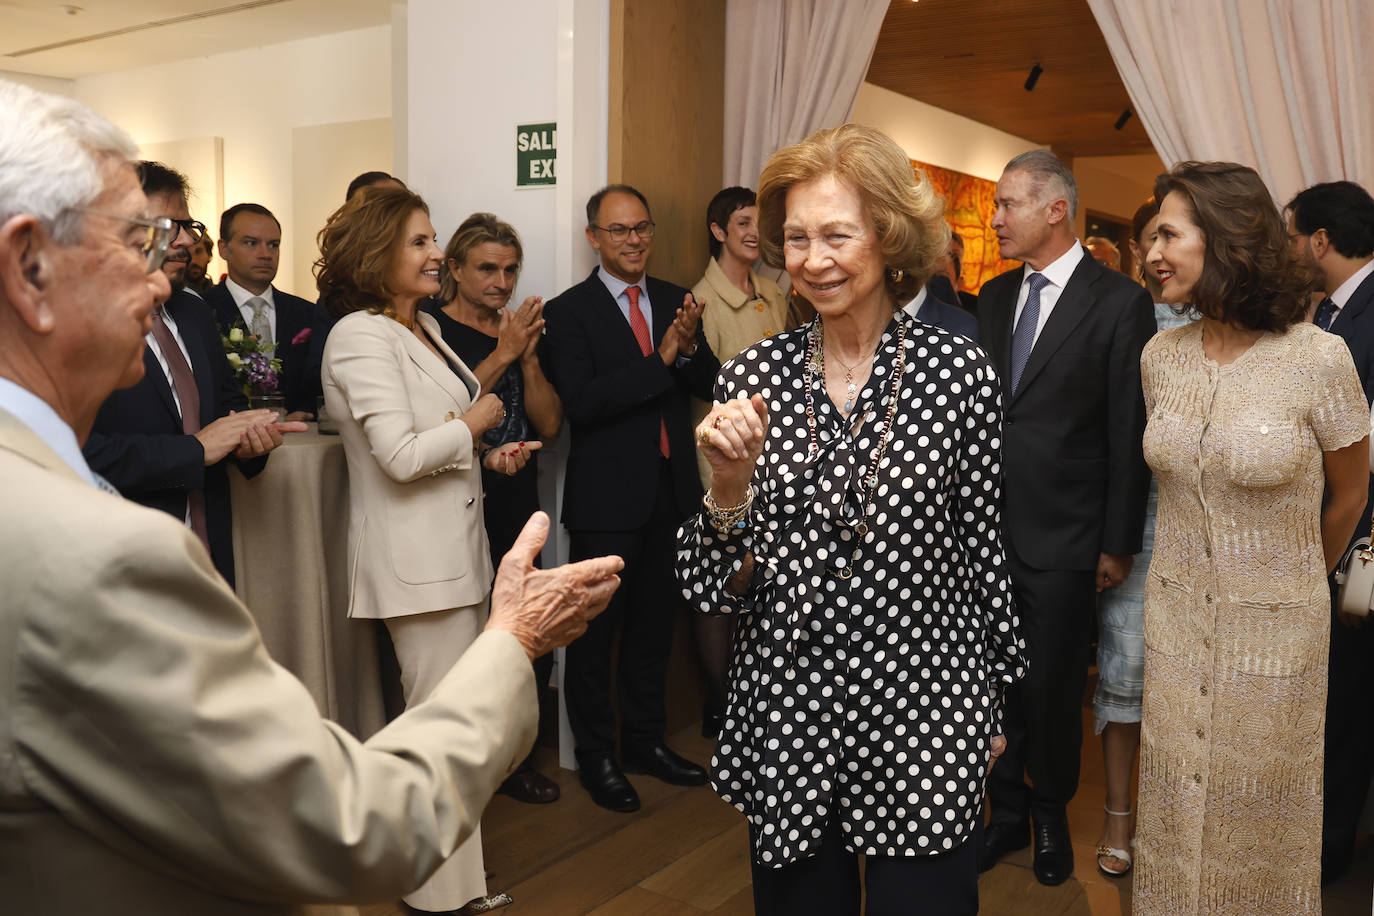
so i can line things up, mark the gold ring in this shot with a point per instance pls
(703, 435)
(715, 424)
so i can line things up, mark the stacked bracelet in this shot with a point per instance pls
(727, 519)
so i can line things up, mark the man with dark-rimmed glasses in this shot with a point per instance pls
(626, 353)
(166, 441)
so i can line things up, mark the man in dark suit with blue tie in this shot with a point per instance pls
(626, 353)
(1331, 226)
(250, 243)
(165, 441)
(1065, 334)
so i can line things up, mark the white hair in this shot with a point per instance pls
(51, 149)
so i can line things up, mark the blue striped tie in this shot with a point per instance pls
(1023, 338)
(1326, 313)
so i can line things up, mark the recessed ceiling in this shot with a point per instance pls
(972, 57)
(109, 35)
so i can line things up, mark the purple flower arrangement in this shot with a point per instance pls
(256, 370)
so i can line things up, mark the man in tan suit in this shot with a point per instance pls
(153, 758)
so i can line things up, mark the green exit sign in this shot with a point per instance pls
(536, 154)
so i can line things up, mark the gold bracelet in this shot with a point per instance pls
(727, 519)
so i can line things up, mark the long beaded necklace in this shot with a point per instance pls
(815, 363)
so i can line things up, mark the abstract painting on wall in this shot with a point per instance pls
(968, 210)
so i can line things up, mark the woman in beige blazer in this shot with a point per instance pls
(411, 416)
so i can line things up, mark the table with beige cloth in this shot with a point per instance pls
(291, 562)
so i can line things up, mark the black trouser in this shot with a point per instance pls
(1349, 742)
(644, 610)
(1042, 716)
(508, 503)
(943, 884)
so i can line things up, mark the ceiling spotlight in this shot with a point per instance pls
(1034, 77)
(1121, 121)
(71, 10)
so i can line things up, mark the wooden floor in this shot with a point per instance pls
(685, 854)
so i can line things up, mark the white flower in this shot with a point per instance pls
(235, 336)
(234, 359)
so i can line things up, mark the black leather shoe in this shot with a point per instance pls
(530, 786)
(1000, 839)
(608, 786)
(661, 763)
(1053, 849)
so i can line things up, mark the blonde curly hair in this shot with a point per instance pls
(904, 208)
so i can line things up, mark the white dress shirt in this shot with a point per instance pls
(1057, 272)
(38, 415)
(241, 297)
(914, 306)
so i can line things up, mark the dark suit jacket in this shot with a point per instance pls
(293, 316)
(1355, 324)
(1075, 477)
(137, 443)
(613, 397)
(950, 317)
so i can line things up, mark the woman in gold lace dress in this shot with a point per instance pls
(1252, 412)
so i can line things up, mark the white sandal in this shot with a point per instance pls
(1122, 854)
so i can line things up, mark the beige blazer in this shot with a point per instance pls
(416, 539)
(154, 759)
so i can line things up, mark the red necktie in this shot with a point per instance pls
(189, 397)
(646, 346)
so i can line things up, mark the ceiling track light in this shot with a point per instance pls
(1121, 121)
(1034, 77)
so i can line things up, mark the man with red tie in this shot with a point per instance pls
(166, 441)
(626, 353)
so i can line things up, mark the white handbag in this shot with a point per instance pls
(1355, 579)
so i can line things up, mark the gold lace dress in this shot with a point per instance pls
(1236, 620)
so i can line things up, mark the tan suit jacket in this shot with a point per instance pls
(154, 759)
(416, 539)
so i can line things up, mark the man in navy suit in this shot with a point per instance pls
(1331, 227)
(250, 244)
(1065, 334)
(626, 353)
(932, 310)
(147, 440)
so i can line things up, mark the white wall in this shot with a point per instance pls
(473, 76)
(254, 99)
(938, 137)
(42, 83)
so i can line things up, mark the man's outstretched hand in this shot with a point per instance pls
(548, 608)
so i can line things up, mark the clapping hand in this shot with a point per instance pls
(548, 608)
(509, 457)
(685, 324)
(486, 414)
(520, 329)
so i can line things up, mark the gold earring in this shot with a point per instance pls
(896, 274)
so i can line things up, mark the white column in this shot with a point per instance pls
(473, 71)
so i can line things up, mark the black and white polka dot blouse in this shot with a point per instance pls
(873, 698)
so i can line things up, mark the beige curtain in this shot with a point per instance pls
(791, 68)
(1280, 85)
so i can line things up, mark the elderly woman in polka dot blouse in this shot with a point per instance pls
(852, 524)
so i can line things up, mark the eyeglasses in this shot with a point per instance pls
(194, 228)
(619, 233)
(161, 232)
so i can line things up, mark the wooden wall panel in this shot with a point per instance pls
(666, 120)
